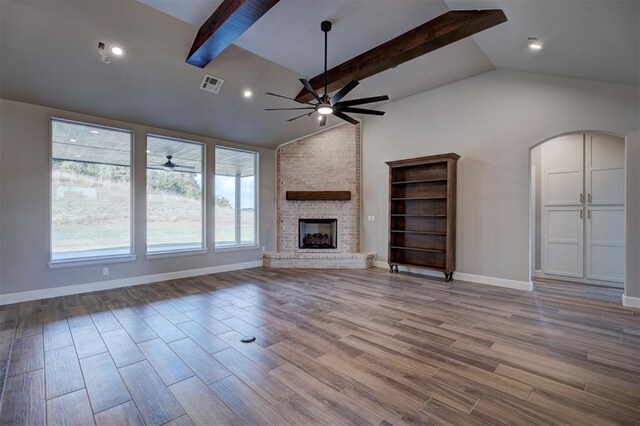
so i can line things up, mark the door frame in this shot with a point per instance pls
(533, 273)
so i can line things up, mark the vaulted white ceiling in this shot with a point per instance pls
(588, 39)
(57, 64)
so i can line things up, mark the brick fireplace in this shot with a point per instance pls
(326, 161)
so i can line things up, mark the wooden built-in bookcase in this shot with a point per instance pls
(422, 213)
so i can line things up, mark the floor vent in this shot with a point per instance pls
(211, 84)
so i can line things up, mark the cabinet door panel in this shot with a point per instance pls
(605, 243)
(604, 169)
(563, 170)
(607, 186)
(606, 151)
(563, 250)
(564, 188)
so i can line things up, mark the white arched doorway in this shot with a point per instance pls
(577, 208)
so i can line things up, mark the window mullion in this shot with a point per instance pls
(238, 208)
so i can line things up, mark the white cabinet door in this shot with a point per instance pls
(605, 243)
(563, 171)
(604, 169)
(563, 241)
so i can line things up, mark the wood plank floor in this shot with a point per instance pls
(333, 347)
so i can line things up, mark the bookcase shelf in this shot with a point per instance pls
(422, 213)
(419, 198)
(419, 215)
(419, 249)
(419, 232)
(409, 182)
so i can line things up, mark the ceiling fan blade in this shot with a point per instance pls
(363, 101)
(323, 120)
(286, 109)
(345, 117)
(300, 116)
(307, 86)
(343, 92)
(184, 167)
(360, 111)
(286, 97)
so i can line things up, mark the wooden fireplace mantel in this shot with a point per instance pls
(318, 195)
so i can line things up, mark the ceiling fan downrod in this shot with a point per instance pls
(325, 26)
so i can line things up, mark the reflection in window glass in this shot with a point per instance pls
(90, 191)
(236, 195)
(174, 195)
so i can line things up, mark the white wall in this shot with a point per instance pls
(491, 120)
(632, 214)
(24, 197)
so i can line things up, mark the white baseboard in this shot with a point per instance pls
(498, 282)
(462, 276)
(631, 302)
(24, 296)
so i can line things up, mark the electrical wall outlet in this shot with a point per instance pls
(105, 271)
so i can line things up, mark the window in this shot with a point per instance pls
(175, 203)
(236, 197)
(90, 191)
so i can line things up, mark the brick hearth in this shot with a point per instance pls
(318, 260)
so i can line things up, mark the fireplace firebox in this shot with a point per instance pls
(318, 233)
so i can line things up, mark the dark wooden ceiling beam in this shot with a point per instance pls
(224, 26)
(441, 31)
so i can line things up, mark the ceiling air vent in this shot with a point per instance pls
(211, 84)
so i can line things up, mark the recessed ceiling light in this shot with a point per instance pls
(533, 43)
(148, 152)
(77, 155)
(95, 132)
(72, 140)
(117, 50)
(247, 93)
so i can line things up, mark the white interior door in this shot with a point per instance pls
(604, 176)
(563, 241)
(563, 171)
(605, 243)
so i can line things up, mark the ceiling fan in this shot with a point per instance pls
(171, 165)
(331, 105)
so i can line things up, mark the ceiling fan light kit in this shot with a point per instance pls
(330, 105)
(324, 109)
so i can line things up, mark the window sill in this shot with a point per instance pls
(175, 253)
(237, 248)
(76, 263)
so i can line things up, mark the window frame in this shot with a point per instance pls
(256, 202)
(101, 259)
(203, 204)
